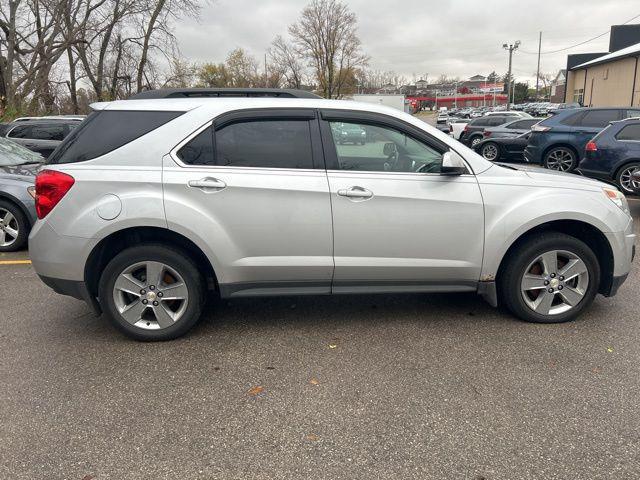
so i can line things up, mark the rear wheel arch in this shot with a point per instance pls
(18, 204)
(118, 241)
(587, 233)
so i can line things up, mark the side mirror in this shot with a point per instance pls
(389, 149)
(453, 164)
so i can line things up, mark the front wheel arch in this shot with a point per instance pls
(583, 231)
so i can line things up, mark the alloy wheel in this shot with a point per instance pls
(627, 182)
(555, 282)
(490, 151)
(9, 228)
(475, 141)
(560, 159)
(150, 295)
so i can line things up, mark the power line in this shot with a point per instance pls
(581, 43)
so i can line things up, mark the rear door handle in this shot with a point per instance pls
(208, 183)
(355, 192)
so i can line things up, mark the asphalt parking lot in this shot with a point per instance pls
(390, 386)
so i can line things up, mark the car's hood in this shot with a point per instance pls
(26, 173)
(529, 175)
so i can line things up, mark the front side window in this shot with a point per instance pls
(374, 148)
(599, 118)
(630, 132)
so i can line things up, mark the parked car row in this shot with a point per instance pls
(559, 142)
(40, 134)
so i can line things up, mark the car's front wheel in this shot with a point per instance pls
(549, 278)
(152, 292)
(625, 179)
(490, 151)
(562, 159)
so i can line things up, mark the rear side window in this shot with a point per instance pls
(523, 123)
(104, 131)
(255, 143)
(480, 122)
(21, 131)
(267, 144)
(47, 132)
(630, 132)
(572, 119)
(599, 118)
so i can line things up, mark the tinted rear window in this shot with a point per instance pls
(630, 132)
(104, 131)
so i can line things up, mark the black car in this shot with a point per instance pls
(505, 149)
(613, 155)
(472, 133)
(40, 135)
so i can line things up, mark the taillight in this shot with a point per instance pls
(486, 134)
(466, 127)
(51, 186)
(591, 147)
(540, 128)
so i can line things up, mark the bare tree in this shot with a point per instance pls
(326, 36)
(286, 60)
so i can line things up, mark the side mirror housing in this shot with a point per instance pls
(453, 164)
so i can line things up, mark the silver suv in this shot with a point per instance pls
(151, 205)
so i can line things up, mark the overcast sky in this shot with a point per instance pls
(418, 37)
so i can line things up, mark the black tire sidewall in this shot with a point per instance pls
(177, 260)
(23, 226)
(524, 254)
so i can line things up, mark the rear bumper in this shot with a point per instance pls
(73, 288)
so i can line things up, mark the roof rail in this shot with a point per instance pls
(222, 92)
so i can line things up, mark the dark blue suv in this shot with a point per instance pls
(558, 142)
(614, 155)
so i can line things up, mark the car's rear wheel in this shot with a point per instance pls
(624, 178)
(562, 159)
(476, 139)
(550, 278)
(152, 292)
(490, 151)
(14, 227)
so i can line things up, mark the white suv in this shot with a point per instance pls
(151, 205)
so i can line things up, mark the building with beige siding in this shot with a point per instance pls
(610, 79)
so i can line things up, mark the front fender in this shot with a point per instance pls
(509, 216)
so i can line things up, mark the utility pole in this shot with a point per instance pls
(538, 71)
(511, 48)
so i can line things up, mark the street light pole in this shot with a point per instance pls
(511, 48)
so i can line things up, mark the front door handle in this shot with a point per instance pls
(208, 183)
(355, 192)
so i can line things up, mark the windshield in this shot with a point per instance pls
(13, 154)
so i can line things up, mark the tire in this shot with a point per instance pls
(561, 159)
(14, 227)
(490, 151)
(528, 298)
(624, 181)
(474, 140)
(151, 317)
